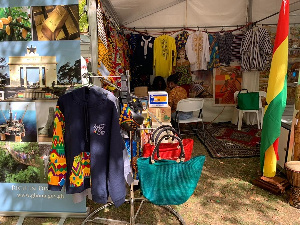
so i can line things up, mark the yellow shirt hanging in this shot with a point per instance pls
(164, 55)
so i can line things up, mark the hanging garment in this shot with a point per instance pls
(236, 47)
(87, 148)
(184, 70)
(164, 55)
(197, 50)
(100, 26)
(256, 50)
(225, 52)
(145, 54)
(104, 58)
(181, 39)
(214, 61)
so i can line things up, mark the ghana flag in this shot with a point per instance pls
(276, 95)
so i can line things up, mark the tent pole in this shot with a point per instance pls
(249, 11)
(92, 18)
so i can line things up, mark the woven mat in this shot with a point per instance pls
(224, 140)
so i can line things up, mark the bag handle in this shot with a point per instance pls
(165, 129)
(156, 149)
(244, 89)
(161, 129)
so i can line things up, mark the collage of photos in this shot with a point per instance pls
(39, 61)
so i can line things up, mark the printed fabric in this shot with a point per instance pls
(236, 47)
(214, 61)
(256, 50)
(175, 95)
(197, 50)
(184, 70)
(57, 160)
(164, 55)
(225, 41)
(181, 39)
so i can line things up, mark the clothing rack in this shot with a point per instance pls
(132, 199)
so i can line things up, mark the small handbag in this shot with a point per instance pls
(169, 182)
(248, 100)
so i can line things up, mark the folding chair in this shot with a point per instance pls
(190, 105)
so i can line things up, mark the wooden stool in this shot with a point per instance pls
(293, 175)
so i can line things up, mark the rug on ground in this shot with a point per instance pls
(224, 140)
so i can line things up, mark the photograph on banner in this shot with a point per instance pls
(45, 112)
(227, 80)
(292, 80)
(24, 162)
(15, 24)
(38, 70)
(18, 122)
(55, 22)
(202, 85)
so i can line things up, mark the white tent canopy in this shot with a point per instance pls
(193, 13)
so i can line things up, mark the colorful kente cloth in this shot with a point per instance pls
(57, 160)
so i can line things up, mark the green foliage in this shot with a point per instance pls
(83, 21)
(26, 147)
(29, 175)
(8, 165)
(20, 21)
(69, 74)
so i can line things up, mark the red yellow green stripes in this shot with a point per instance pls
(276, 95)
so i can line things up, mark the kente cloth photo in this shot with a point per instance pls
(224, 140)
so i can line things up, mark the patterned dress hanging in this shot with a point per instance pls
(256, 50)
(225, 42)
(213, 51)
(236, 47)
(197, 50)
(184, 69)
(181, 39)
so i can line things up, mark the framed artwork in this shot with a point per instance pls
(227, 80)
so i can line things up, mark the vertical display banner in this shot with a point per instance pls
(39, 61)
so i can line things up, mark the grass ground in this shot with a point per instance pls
(224, 195)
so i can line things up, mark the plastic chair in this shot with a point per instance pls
(259, 113)
(190, 105)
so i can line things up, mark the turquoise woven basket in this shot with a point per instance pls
(167, 182)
